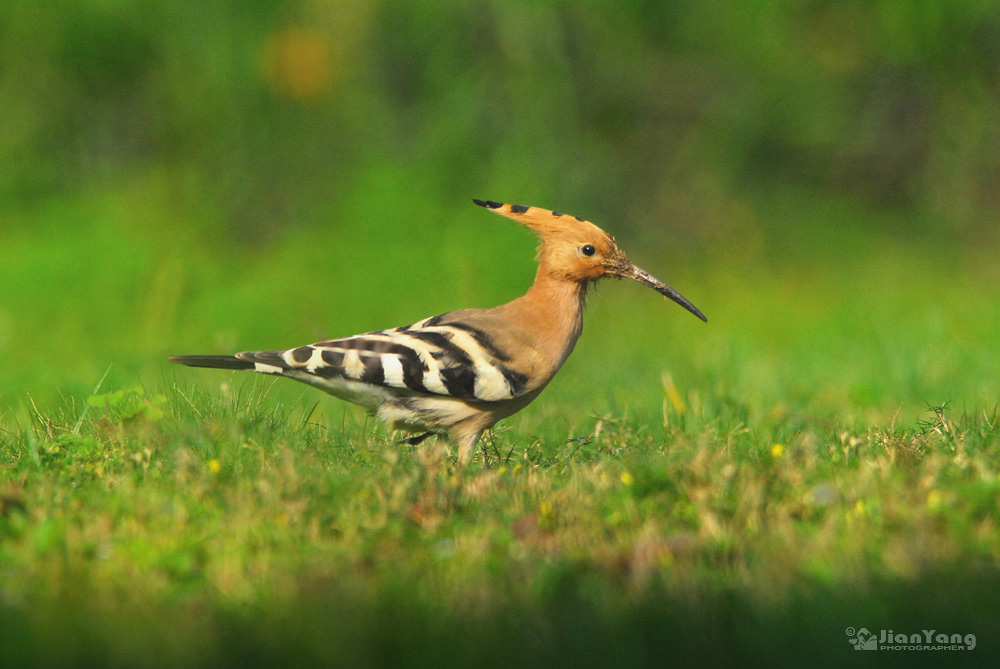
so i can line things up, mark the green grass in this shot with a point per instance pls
(823, 454)
(820, 178)
(231, 526)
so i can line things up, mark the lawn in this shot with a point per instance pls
(823, 454)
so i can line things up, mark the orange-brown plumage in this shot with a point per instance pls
(461, 372)
(552, 309)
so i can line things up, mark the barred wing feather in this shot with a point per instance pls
(437, 356)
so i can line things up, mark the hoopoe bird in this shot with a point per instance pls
(462, 371)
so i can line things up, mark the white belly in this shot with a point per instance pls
(398, 408)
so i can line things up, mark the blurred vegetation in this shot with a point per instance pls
(221, 174)
(821, 178)
(280, 114)
(200, 528)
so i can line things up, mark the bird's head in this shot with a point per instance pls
(577, 250)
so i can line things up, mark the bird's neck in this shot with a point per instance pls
(553, 309)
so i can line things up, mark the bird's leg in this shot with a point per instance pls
(413, 441)
(466, 442)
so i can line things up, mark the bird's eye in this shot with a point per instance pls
(588, 250)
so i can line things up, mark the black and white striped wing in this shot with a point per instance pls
(437, 356)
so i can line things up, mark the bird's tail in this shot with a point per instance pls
(265, 362)
(214, 361)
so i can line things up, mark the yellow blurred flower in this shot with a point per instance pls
(298, 63)
(935, 500)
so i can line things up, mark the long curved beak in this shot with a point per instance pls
(647, 279)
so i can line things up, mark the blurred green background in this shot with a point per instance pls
(821, 178)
